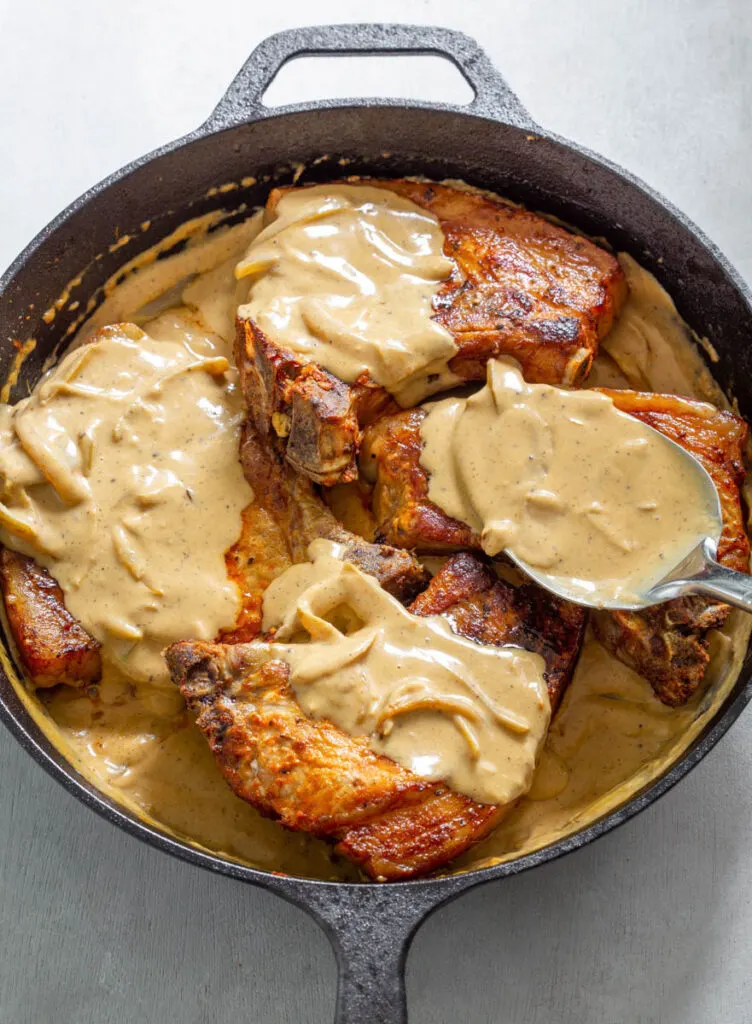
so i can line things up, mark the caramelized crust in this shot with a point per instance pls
(311, 776)
(260, 554)
(53, 647)
(412, 840)
(314, 417)
(404, 515)
(480, 606)
(666, 644)
(520, 286)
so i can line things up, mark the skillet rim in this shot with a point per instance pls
(21, 724)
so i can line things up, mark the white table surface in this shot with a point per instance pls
(651, 924)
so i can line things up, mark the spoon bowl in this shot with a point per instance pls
(697, 571)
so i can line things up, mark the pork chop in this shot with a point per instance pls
(312, 776)
(668, 643)
(52, 645)
(520, 286)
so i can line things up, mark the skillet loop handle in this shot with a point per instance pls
(493, 97)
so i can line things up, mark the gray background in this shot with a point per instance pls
(651, 924)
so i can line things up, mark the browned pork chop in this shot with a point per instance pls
(52, 645)
(666, 644)
(520, 286)
(402, 510)
(314, 777)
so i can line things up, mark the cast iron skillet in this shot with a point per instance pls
(493, 143)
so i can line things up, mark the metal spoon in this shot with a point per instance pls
(697, 573)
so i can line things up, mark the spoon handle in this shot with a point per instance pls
(708, 579)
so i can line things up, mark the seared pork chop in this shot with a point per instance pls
(666, 644)
(404, 515)
(520, 286)
(52, 645)
(312, 776)
(276, 529)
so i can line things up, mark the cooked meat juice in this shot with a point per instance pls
(136, 742)
(567, 483)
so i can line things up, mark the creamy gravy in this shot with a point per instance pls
(120, 475)
(651, 345)
(567, 483)
(438, 704)
(198, 276)
(609, 738)
(136, 742)
(346, 275)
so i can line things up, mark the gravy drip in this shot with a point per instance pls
(345, 275)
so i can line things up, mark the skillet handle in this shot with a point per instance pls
(493, 97)
(371, 928)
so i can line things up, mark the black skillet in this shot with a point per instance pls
(493, 143)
